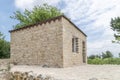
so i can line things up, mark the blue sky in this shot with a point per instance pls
(6, 10)
(91, 16)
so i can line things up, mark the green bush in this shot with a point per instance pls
(4, 47)
(104, 61)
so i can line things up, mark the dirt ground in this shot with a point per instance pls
(83, 72)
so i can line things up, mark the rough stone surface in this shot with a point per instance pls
(4, 75)
(48, 44)
(4, 65)
(4, 61)
(28, 76)
(71, 58)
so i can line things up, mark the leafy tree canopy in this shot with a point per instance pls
(93, 56)
(103, 55)
(115, 24)
(37, 14)
(107, 54)
(4, 47)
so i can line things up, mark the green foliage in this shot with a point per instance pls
(107, 54)
(38, 14)
(4, 47)
(115, 25)
(95, 61)
(105, 58)
(94, 56)
(104, 61)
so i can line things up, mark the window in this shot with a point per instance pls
(75, 44)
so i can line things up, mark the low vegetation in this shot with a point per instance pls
(104, 61)
(104, 58)
(4, 47)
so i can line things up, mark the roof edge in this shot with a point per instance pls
(42, 22)
(49, 20)
(74, 25)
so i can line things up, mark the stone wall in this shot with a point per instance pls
(47, 44)
(38, 45)
(4, 67)
(72, 58)
(4, 61)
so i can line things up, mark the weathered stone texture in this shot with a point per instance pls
(28, 76)
(41, 44)
(72, 58)
(4, 61)
(48, 44)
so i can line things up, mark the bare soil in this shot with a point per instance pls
(83, 72)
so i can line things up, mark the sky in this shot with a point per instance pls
(91, 16)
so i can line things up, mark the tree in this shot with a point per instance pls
(115, 25)
(94, 56)
(119, 55)
(37, 14)
(4, 47)
(107, 54)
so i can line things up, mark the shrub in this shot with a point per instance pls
(104, 61)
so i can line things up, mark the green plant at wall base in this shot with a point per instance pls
(37, 14)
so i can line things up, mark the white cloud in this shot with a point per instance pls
(28, 4)
(93, 16)
(22, 4)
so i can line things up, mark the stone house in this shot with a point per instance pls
(56, 42)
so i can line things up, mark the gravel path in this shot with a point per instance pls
(84, 72)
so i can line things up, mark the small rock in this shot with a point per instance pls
(93, 79)
(45, 66)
